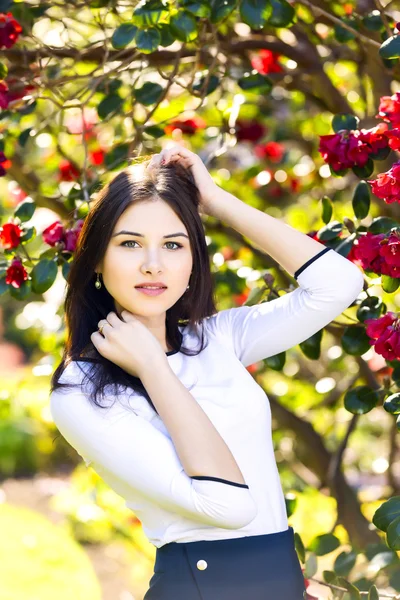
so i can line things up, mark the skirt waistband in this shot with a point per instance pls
(173, 550)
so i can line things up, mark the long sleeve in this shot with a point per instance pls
(144, 460)
(329, 283)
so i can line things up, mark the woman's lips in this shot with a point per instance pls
(151, 292)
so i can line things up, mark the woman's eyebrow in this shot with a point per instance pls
(123, 232)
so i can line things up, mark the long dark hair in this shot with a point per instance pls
(85, 305)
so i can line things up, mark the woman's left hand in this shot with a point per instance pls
(204, 182)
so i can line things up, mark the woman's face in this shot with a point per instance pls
(132, 259)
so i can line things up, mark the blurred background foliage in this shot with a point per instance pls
(252, 86)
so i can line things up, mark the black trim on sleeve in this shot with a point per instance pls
(301, 269)
(243, 485)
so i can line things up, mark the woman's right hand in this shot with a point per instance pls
(128, 343)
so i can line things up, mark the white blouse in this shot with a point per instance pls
(128, 445)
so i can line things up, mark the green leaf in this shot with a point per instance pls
(283, 14)
(149, 93)
(381, 153)
(311, 347)
(366, 170)
(373, 21)
(255, 12)
(360, 400)
(311, 566)
(147, 41)
(344, 247)
(123, 35)
(299, 546)
(43, 275)
(392, 404)
(396, 374)
(331, 231)
(355, 341)
(30, 234)
(327, 209)
(361, 200)
(184, 26)
(389, 284)
(291, 503)
(109, 105)
(387, 512)
(341, 33)
(373, 593)
(23, 292)
(65, 269)
(24, 136)
(200, 8)
(390, 48)
(167, 36)
(3, 285)
(3, 70)
(353, 591)
(344, 121)
(117, 158)
(256, 82)
(255, 295)
(220, 9)
(154, 131)
(344, 563)
(25, 209)
(147, 14)
(324, 544)
(276, 362)
(329, 576)
(393, 534)
(370, 308)
(199, 81)
(382, 224)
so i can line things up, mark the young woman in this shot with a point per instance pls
(182, 430)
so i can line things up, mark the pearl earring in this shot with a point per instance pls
(97, 283)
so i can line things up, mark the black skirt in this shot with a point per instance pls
(258, 567)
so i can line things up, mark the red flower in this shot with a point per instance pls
(393, 137)
(366, 250)
(249, 131)
(68, 172)
(390, 251)
(71, 237)
(266, 62)
(9, 30)
(55, 234)
(272, 150)
(344, 149)
(387, 185)
(10, 235)
(385, 334)
(389, 109)
(3, 95)
(16, 274)
(5, 163)
(187, 126)
(97, 156)
(240, 299)
(376, 137)
(9, 95)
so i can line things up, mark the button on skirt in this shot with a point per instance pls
(258, 567)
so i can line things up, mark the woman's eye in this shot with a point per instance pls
(134, 242)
